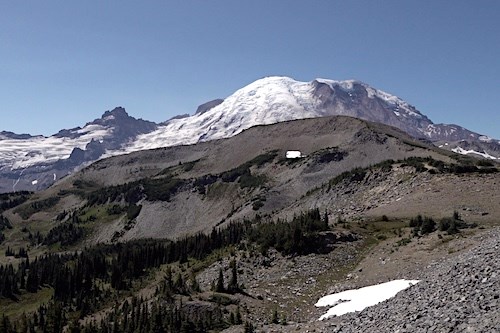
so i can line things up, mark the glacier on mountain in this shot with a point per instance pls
(22, 153)
(266, 101)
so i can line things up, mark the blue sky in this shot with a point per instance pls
(63, 63)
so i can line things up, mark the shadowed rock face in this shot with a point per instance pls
(356, 102)
(124, 127)
(208, 105)
(12, 135)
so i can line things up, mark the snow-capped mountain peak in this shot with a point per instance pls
(265, 101)
(275, 99)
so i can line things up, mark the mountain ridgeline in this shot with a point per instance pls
(35, 162)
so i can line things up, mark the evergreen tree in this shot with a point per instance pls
(195, 286)
(233, 283)
(237, 316)
(249, 328)
(428, 226)
(179, 285)
(5, 325)
(219, 287)
(275, 319)
(74, 326)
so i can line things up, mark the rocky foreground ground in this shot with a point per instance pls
(459, 294)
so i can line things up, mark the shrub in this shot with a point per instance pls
(332, 155)
(244, 169)
(188, 166)
(249, 180)
(354, 175)
(422, 225)
(385, 166)
(160, 189)
(484, 163)
(416, 222)
(263, 159)
(114, 210)
(27, 210)
(66, 233)
(452, 225)
(416, 162)
(404, 241)
(428, 226)
(133, 211)
(258, 204)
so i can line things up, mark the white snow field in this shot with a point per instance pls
(22, 153)
(359, 299)
(462, 151)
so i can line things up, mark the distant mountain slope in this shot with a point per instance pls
(351, 167)
(33, 163)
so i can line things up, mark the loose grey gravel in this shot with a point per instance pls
(460, 294)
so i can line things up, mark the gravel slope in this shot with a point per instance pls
(460, 294)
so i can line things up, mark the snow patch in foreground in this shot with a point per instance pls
(359, 299)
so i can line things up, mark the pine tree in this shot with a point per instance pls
(219, 287)
(5, 325)
(74, 326)
(325, 220)
(179, 286)
(275, 319)
(195, 286)
(249, 328)
(233, 283)
(237, 318)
